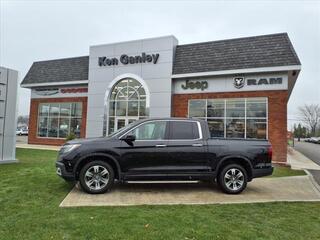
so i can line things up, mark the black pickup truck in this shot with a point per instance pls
(164, 149)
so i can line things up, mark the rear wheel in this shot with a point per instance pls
(96, 177)
(233, 179)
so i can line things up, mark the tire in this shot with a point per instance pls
(233, 185)
(96, 177)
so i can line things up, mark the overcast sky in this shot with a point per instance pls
(41, 30)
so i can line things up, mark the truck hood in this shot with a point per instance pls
(87, 140)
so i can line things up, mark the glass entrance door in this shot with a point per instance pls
(123, 121)
(128, 101)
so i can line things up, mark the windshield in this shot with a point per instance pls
(123, 129)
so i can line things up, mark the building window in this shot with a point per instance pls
(58, 120)
(127, 103)
(234, 117)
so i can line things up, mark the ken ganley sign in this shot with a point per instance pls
(126, 59)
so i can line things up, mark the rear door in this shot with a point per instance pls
(186, 147)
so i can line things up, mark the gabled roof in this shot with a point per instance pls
(273, 50)
(240, 53)
(58, 70)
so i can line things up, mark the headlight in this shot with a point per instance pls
(69, 148)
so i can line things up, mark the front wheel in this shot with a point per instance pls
(96, 177)
(233, 179)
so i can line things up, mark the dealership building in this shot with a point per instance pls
(240, 86)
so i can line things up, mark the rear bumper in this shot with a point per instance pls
(261, 172)
(62, 172)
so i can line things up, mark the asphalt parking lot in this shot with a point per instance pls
(310, 150)
(22, 139)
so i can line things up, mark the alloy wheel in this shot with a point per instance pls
(96, 177)
(234, 179)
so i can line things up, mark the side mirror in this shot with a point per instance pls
(129, 138)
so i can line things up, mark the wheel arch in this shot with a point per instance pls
(241, 160)
(102, 157)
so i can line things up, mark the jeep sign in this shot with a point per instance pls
(195, 85)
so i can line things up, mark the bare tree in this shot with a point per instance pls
(310, 115)
(23, 120)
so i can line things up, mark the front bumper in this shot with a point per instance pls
(261, 172)
(62, 172)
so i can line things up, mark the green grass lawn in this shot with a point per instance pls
(286, 172)
(30, 193)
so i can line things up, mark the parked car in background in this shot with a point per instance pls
(313, 140)
(22, 131)
(317, 140)
(164, 149)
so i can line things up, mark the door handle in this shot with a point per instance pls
(197, 145)
(161, 145)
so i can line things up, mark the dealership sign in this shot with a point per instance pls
(60, 92)
(46, 91)
(73, 90)
(239, 82)
(125, 59)
(195, 85)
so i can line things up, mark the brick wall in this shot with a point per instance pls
(277, 115)
(33, 121)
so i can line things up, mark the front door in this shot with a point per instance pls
(148, 153)
(120, 122)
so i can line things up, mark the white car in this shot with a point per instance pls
(22, 131)
(314, 140)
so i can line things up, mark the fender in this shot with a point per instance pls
(232, 157)
(101, 155)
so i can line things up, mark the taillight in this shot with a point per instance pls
(270, 153)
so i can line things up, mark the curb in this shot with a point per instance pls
(313, 181)
(38, 148)
(300, 161)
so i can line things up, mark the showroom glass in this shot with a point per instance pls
(127, 103)
(150, 131)
(58, 120)
(234, 117)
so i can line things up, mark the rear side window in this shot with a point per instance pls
(183, 130)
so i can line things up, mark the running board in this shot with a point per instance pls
(164, 181)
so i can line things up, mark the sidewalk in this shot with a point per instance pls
(34, 146)
(299, 161)
(287, 189)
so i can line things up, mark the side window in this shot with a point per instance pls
(183, 130)
(150, 131)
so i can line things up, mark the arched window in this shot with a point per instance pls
(127, 103)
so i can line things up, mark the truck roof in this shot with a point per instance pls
(172, 118)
